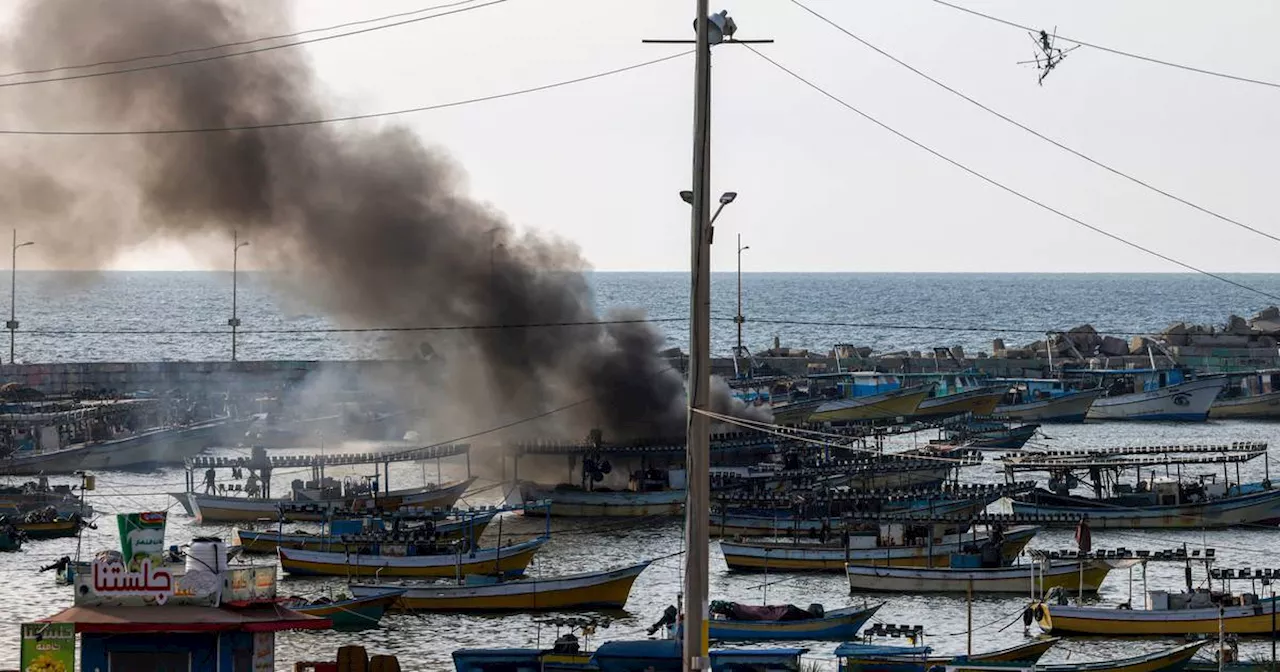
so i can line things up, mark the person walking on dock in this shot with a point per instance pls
(210, 478)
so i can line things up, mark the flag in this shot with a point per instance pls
(1084, 540)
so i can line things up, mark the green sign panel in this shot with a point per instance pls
(48, 647)
(142, 536)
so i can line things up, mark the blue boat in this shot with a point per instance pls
(652, 655)
(836, 625)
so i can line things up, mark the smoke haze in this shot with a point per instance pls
(365, 221)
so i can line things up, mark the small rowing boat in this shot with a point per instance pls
(886, 658)
(1016, 579)
(409, 561)
(761, 556)
(596, 590)
(362, 611)
(732, 621)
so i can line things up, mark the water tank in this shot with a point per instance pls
(207, 554)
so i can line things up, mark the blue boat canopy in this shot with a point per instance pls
(880, 650)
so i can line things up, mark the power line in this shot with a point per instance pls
(1034, 132)
(215, 57)
(1111, 50)
(343, 330)
(241, 43)
(353, 117)
(1001, 185)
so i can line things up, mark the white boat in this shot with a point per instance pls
(1044, 400)
(1155, 395)
(863, 550)
(224, 509)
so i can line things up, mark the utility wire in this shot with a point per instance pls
(273, 47)
(1111, 50)
(241, 43)
(344, 330)
(1003, 186)
(353, 117)
(1034, 132)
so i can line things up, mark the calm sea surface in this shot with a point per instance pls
(79, 302)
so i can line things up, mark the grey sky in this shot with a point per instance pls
(600, 163)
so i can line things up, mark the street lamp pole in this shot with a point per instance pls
(234, 322)
(739, 319)
(12, 324)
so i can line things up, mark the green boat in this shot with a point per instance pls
(349, 614)
(10, 541)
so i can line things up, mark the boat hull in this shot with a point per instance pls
(1263, 406)
(360, 612)
(264, 541)
(143, 450)
(1246, 620)
(1249, 509)
(884, 406)
(506, 561)
(597, 590)
(871, 658)
(815, 558)
(217, 509)
(1184, 402)
(608, 504)
(1068, 408)
(730, 525)
(978, 402)
(1014, 580)
(838, 625)
(54, 530)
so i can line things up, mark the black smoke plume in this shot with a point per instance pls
(367, 222)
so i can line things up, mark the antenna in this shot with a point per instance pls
(1047, 56)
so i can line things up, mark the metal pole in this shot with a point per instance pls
(235, 267)
(698, 450)
(738, 319)
(13, 296)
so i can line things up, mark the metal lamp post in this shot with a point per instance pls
(234, 322)
(12, 324)
(739, 319)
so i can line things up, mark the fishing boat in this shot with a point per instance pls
(1152, 502)
(1028, 578)
(1255, 394)
(858, 657)
(732, 621)
(227, 509)
(887, 549)
(101, 435)
(51, 529)
(1150, 394)
(1171, 615)
(625, 656)
(988, 435)
(413, 562)
(1156, 661)
(1044, 400)
(362, 611)
(888, 405)
(39, 495)
(593, 590)
(341, 539)
(661, 501)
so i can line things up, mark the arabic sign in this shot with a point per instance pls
(142, 536)
(48, 647)
(112, 578)
(250, 584)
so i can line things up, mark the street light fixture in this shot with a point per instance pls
(12, 324)
(234, 322)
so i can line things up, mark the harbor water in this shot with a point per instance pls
(75, 303)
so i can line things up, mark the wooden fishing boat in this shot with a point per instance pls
(222, 509)
(605, 503)
(838, 624)
(1167, 659)
(593, 590)
(733, 518)
(469, 528)
(1015, 579)
(978, 401)
(653, 655)
(1151, 394)
(1254, 508)
(1249, 395)
(898, 403)
(1254, 618)
(509, 560)
(1045, 400)
(54, 529)
(352, 613)
(773, 556)
(887, 658)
